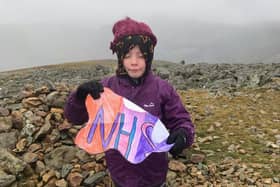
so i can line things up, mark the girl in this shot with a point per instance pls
(134, 44)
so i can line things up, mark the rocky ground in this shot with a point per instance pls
(235, 109)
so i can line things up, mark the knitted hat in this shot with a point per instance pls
(129, 26)
(129, 33)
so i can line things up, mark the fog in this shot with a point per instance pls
(34, 33)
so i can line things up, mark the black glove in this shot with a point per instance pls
(94, 88)
(177, 137)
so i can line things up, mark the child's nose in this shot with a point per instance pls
(134, 60)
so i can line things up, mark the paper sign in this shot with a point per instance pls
(117, 123)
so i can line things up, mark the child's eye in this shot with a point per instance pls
(127, 56)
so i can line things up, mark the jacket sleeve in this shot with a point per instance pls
(175, 116)
(75, 110)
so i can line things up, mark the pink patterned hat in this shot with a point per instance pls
(128, 26)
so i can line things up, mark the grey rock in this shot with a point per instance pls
(4, 111)
(277, 137)
(163, 73)
(45, 129)
(5, 124)
(14, 106)
(65, 170)
(94, 178)
(9, 139)
(5, 179)
(40, 166)
(55, 136)
(197, 158)
(60, 156)
(83, 156)
(276, 179)
(11, 163)
(29, 114)
(254, 80)
(228, 172)
(56, 99)
(3, 93)
(250, 181)
(30, 157)
(28, 129)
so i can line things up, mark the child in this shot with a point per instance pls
(134, 44)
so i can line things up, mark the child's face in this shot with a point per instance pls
(134, 63)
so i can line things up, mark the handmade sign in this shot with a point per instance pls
(117, 123)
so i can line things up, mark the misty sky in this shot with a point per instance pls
(26, 24)
(107, 11)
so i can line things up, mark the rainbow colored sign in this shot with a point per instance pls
(117, 123)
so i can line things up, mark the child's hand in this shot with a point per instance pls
(94, 88)
(177, 137)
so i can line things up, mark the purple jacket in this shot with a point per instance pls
(159, 98)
